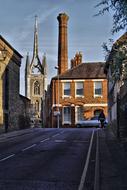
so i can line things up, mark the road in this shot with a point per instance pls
(49, 159)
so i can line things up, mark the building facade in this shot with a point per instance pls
(80, 94)
(76, 93)
(10, 107)
(36, 81)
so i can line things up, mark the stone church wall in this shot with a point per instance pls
(13, 94)
(24, 112)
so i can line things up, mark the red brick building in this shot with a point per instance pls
(82, 94)
(76, 93)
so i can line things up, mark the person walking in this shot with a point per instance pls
(101, 118)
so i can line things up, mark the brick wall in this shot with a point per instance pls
(89, 102)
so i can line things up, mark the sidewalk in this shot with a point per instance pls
(113, 162)
(16, 133)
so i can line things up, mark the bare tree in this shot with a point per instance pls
(119, 8)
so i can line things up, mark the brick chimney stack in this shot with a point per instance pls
(77, 60)
(62, 43)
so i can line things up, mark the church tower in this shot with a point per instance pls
(35, 79)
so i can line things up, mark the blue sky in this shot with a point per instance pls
(85, 32)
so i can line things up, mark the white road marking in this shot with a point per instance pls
(59, 141)
(56, 135)
(97, 174)
(28, 147)
(7, 157)
(45, 140)
(82, 181)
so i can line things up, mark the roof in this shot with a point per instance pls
(117, 44)
(120, 41)
(91, 70)
(24, 97)
(15, 51)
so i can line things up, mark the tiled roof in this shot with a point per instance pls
(94, 70)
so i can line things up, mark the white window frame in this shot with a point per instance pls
(98, 95)
(67, 121)
(76, 113)
(63, 85)
(78, 95)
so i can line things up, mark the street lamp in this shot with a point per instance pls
(58, 110)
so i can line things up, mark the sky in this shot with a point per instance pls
(86, 33)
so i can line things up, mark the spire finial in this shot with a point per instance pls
(36, 22)
(35, 52)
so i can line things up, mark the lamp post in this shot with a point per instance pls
(58, 110)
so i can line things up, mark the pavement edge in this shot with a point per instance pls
(97, 166)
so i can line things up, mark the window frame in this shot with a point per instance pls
(98, 95)
(79, 95)
(65, 95)
(76, 114)
(37, 88)
(37, 106)
(63, 118)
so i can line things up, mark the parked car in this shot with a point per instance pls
(92, 122)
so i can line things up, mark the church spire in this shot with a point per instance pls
(36, 67)
(35, 51)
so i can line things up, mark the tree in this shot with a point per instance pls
(117, 58)
(119, 8)
(118, 50)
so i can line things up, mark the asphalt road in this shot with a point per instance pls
(48, 159)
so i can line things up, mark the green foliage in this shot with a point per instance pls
(117, 56)
(119, 8)
(117, 66)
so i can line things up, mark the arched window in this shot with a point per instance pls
(36, 88)
(37, 105)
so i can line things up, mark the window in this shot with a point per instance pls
(98, 88)
(67, 115)
(37, 105)
(67, 90)
(36, 88)
(79, 113)
(79, 89)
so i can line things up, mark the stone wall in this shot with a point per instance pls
(13, 77)
(123, 112)
(12, 106)
(24, 112)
